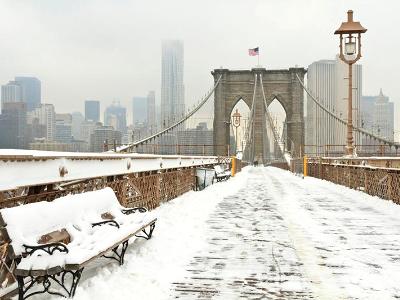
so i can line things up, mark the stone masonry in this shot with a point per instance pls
(278, 84)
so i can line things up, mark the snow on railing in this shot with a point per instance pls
(19, 168)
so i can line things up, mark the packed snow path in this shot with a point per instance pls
(264, 234)
(282, 237)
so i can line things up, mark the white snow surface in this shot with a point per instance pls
(27, 223)
(327, 242)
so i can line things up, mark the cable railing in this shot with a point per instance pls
(279, 141)
(343, 122)
(249, 134)
(131, 147)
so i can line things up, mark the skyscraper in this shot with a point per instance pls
(115, 116)
(172, 88)
(63, 128)
(151, 111)
(31, 91)
(139, 110)
(13, 126)
(77, 120)
(11, 92)
(45, 114)
(378, 116)
(92, 110)
(327, 81)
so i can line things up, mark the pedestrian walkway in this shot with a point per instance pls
(284, 237)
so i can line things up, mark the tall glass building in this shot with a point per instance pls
(327, 80)
(172, 88)
(92, 110)
(31, 91)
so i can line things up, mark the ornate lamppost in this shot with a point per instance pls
(236, 123)
(350, 53)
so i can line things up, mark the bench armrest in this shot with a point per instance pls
(109, 222)
(48, 248)
(133, 210)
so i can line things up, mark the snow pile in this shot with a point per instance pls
(151, 266)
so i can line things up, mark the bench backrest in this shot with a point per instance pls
(218, 169)
(25, 224)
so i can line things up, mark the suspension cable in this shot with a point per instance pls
(173, 126)
(249, 130)
(361, 130)
(271, 123)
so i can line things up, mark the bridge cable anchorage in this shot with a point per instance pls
(279, 141)
(340, 120)
(127, 148)
(249, 134)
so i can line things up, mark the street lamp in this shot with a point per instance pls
(350, 53)
(236, 123)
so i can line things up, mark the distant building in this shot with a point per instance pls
(151, 112)
(115, 116)
(377, 114)
(139, 110)
(167, 143)
(92, 110)
(77, 120)
(45, 115)
(87, 128)
(63, 128)
(31, 91)
(13, 134)
(196, 141)
(35, 130)
(326, 80)
(44, 145)
(104, 135)
(172, 88)
(11, 92)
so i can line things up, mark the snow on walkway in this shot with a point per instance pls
(265, 234)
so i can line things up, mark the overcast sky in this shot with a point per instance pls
(111, 49)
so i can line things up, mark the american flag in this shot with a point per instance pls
(253, 52)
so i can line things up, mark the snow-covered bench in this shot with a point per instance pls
(53, 241)
(221, 173)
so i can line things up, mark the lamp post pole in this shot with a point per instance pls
(350, 140)
(350, 53)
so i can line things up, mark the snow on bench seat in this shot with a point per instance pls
(222, 173)
(83, 249)
(26, 224)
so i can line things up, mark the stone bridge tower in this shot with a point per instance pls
(278, 84)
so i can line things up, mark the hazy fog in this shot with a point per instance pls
(111, 50)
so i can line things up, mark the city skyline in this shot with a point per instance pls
(136, 74)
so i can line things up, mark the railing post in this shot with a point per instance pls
(305, 165)
(233, 166)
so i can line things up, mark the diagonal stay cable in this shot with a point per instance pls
(173, 126)
(249, 129)
(271, 123)
(390, 143)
